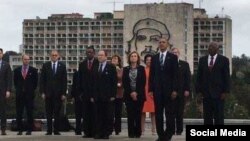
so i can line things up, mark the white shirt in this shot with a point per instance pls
(164, 55)
(209, 59)
(56, 64)
(103, 65)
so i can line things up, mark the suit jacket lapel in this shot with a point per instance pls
(217, 61)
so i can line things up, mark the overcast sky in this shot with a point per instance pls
(13, 12)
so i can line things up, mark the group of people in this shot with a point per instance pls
(100, 87)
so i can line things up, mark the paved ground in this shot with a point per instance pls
(69, 136)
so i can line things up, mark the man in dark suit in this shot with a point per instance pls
(5, 88)
(25, 81)
(184, 80)
(213, 84)
(75, 93)
(53, 86)
(105, 85)
(163, 86)
(86, 78)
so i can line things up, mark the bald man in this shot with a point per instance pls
(25, 82)
(53, 86)
(213, 84)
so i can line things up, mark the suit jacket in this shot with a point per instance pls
(184, 77)
(27, 85)
(5, 78)
(140, 84)
(105, 84)
(212, 83)
(75, 91)
(87, 79)
(51, 84)
(163, 81)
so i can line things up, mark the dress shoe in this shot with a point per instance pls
(57, 133)
(116, 133)
(3, 132)
(178, 133)
(105, 137)
(87, 136)
(97, 137)
(28, 133)
(48, 133)
(78, 133)
(20, 133)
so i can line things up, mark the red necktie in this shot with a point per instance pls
(24, 72)
(89, 64)
(211, 64)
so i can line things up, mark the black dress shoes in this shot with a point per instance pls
(57, 133)
(48, 133)
(20, 133)
(28, 133)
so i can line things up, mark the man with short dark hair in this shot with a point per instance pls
(163, 86)
(5, 88)
(213, 84)
(25, 82)
(86, 80)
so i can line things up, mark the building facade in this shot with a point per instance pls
(207, 28)
(138, 27)
(70, 34)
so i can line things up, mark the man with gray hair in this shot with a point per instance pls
(184, 80)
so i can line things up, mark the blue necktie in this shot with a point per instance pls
(161, 60)
(54, 68)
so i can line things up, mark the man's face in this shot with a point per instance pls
(54, 56)
(213, 49)
(163, 44)
(101, 56)
(90, 54)
(176, 52)
(26, 60)
(1, 55)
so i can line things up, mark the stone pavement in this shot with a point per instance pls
(70, 136)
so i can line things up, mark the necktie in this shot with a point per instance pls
(211, 63)
(89, 64)
(100, 68)
(161, 60)
(54, 68)
(24, 72)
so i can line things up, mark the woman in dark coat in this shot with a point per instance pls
(134, 80)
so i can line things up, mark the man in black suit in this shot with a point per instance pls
(75, 93)
(213, 84)
(163, 86)
(53, 86)
(105, 86)
(25, 82)
(5, 88)
(86, 76)
(184, 80)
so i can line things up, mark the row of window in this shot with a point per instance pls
(208, 22)
(74, 35)
(75, 23)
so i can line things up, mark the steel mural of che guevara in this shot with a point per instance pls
(146, 34)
